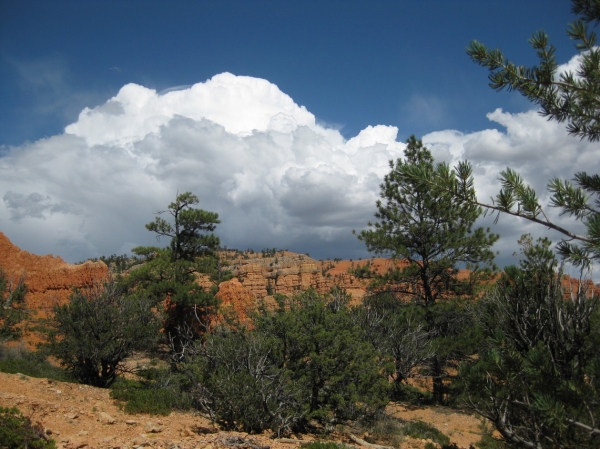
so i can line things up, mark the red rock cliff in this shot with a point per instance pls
(49, 279)
(257, 276)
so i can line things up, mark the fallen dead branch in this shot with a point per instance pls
(367, 444)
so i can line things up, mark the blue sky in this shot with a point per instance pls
(351, 63)
(337, 68)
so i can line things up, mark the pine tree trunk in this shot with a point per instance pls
(438, 384)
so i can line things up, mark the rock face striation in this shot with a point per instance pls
(49, 279)
(259, 277)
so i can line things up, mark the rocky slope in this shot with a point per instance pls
(80, 416)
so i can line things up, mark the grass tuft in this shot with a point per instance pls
(323, 445)
(149, 396)
(421, 430)
(17, 359)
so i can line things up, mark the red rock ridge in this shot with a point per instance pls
(49, 279)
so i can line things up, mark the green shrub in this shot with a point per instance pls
(12, 306)
(98, 329)
(386, 430)
(323, 445)
(18, 432)
(155, 395)
(407, 393)
(361, 271)
(304, 360)
(15, 360)
(489, 442)
(536, 373)
(421, 430)
(237, 381)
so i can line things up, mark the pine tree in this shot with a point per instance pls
(431, 231)
(537, 375)
(191, 230)
(171, 273)
(100, 327)
(573, 98)
(537, 370)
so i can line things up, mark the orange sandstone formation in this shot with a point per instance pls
(289, 273)
(236, 298)
(257, 277)
(49, 279)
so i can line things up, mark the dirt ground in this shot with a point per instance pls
(79, 416)
(462, 429)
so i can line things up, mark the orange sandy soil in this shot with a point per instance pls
(462, 428)
(72, 415)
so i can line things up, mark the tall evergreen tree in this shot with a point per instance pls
(537, 375)
(171, 273)
(426, 227)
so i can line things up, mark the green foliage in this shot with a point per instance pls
(385, 430)
(323, 445)
(12, 306)
(188, 307)
(98, 329)
(172, 273)
(323, 352)
(15, 360)
(571, 97)
(398, 331)
(18, 432)
(361, 271)
(426, 227)
(392, 432)
(191, 231)
(536, 374)
(579, 199)
(240, 385)
(488, 441)
(412, 395)
(270, 289)
(269, 252)
(119, 264)
(423, 431)
(159, 393)
(433, 232)
(304, 360)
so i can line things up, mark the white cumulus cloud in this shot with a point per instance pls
(276, 176)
